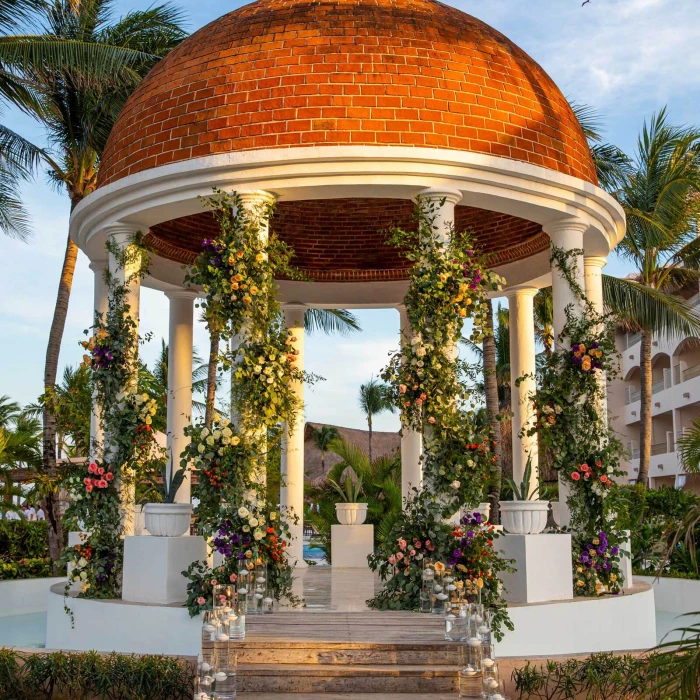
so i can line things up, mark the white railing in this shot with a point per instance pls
(660, 448)
(632, 396)
(690, 372)
(656, 387)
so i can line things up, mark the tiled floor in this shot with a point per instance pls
(325, 589)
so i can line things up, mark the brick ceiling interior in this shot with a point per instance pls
(344, 239)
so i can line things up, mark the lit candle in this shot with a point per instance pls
(438, 589)
(258, 596)
(242, 591)
(442, 596)
(267, 601)
(205, 667)
(221, 637)
(243, 573)
(483, 629)
(488, 663)
(452, 587)
(209, 628)
(474, 642)
(469, 671)
(220, 676)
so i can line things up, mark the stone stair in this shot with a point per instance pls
(276, 667)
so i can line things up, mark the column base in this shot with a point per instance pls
(542, 568)
(153, 568)
(351, 545)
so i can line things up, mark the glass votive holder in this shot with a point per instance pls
(222, 599)
(236, 619)
(225, 674)
(204, 682)
(268, 602)
(469, 683)
(426, 591)
(208, 627)
(489, 677)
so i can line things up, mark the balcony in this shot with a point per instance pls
(631, 340)
(659, 448)
(632, 396)
(689, 372)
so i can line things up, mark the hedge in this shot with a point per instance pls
(93, 676)
(26, 568)
(23, 539)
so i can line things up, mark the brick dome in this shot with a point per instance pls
(284, 73)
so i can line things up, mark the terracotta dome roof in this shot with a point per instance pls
(283, 73)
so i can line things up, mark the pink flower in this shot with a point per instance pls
(431, 420)
(88, 488)
(399, 556)
(100, 470)
(92, 468)
(402, 388)
(402, 544)
(233, 578)
(419, 402)
(109, 476)
(392, 560)
(603, 478)
(102, 484)
(575, 476)
(413, 552)
(200, 600)
(213, 582)
(87, 481)
(417, 544)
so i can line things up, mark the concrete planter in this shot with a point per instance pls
(351, 513)
(167, 519)
(485, 510)
(524, 517)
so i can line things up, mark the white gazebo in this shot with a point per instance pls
(342, 113)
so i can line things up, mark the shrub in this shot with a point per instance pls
(23, 539)
(40, 567)
(88, 675)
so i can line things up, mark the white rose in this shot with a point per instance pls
(226, 432)
(201, 449)
(235, 440)
(420, 352)
(225, 441)
(470, 462)
(210, 440)
(270, 380)
(81, 563)
(225, 422)
(217, 418)
(246, 528)
(258, 535)
(216, 434)
(83, 575)
(204, 433)
(243, 512)
(273, 515)
(253, 522)
(220, 452)
(455, 484)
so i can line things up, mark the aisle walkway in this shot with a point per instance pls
(325, 589)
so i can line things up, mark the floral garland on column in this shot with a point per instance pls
(449, 284)
(573, 430)
(236, 270)
(96, 488)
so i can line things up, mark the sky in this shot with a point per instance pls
(625, 58)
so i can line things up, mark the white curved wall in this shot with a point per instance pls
(25, 596)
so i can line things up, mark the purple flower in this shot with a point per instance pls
(601, 550)
(451, 561)
(607, 565)
(477, 517)
(457, 553)
(584, 558)
(614, 551)
(470, 534)
(594, 345)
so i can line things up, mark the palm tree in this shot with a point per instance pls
(323, 437)
(374, 398)
(71, 66)
(492, 410)
(658, 189)
(544, 319)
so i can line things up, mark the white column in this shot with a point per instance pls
(292, 488)
(444, 215)
(254, 203)
(567, 235)
(593, 274)
(100, 305)
(121, 235)
(179, 408)
(522, 363)
(411, 440)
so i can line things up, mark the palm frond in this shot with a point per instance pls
(689, 448)
(642, 307)
(330, 321)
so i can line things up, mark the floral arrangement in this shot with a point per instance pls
(449, 283)
(573, 430)
(264, 374)
(95, 563)
(420, 533)
(249, 533)
(597, 568)
(457, 463)
(236, 269)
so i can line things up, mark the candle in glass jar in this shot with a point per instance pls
(268, 601)
(205, 667)
(242, 591)
(260, 579)
(220, 676)
(221, 637)
(488, 663)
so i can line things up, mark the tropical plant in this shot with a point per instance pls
(658, 189)
(71, 66)
(522, 491)
(375, 398)
(350, 491)
(323, 437)
(381, 483)
(689, 448)
(172, 485)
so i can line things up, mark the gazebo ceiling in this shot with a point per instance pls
(343, 240)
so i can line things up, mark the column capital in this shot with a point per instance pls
(598, 261)
(294, 314)
(98, 265)
(121, 232)
(433, 193)
(566, 233)
(254, 197)
(181, 294)
(521, 291)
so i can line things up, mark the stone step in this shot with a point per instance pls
(358, 678)
(345, 696)
(348, 653)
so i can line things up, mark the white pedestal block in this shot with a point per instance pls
(626, 563)
(351, 545)
(543, 567)
(153, 568)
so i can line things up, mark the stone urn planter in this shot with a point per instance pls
(351, 513)
(167, 519)
(484, 509)
(524, 517)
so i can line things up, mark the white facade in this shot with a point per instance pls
(675, 402)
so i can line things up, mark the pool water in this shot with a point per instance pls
(314, 554)
(23, 630)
